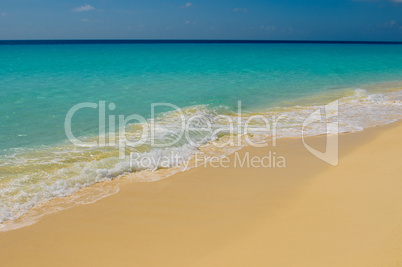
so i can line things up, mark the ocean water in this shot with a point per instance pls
(39, 84)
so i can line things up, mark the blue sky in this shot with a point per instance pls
(372, 20)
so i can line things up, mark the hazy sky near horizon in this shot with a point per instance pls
(371, 20)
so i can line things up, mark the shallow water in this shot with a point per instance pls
(39, 84)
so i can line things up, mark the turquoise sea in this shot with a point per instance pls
(39, 84)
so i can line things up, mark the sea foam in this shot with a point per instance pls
(36, 175)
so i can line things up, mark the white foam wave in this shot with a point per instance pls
(34, 176)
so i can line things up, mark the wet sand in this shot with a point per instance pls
(307, 214)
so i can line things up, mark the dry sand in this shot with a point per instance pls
(307, 214)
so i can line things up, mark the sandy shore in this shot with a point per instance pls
(307, 214)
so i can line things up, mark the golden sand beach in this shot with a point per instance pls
(307, 214)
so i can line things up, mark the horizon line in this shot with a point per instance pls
(180, 41)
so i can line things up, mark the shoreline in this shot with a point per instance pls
(66, 192)
(210, 216)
